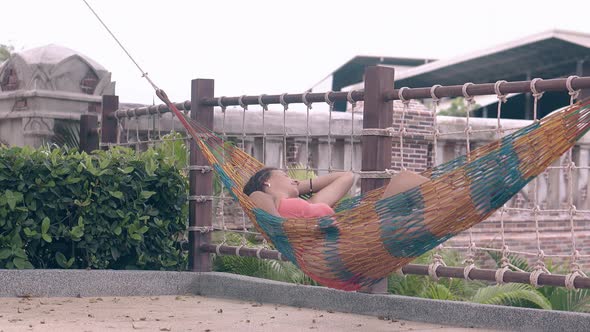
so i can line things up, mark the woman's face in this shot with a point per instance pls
(280, 182)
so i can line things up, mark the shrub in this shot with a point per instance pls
(114, 209)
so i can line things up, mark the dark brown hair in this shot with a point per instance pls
(256, 182)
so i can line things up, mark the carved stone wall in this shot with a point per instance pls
(44, 86)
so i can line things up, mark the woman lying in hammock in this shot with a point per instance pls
(275, 192)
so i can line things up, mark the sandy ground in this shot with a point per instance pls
(183, 313)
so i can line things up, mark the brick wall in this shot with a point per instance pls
(417, 152)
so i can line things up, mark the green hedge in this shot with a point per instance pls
(109, 210)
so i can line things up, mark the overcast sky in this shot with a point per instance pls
(253, 47)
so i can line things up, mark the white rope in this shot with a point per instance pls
(307, 129)
(264, 109)
(435, 129)
(574, 94)
(352, 106)
(437, 262)
(331, 108)
(536, 96)
(285, 108)
(402, 127)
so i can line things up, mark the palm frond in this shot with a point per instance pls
(438, 292)
(512, 295)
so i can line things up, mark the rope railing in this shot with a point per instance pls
(557, 84)
(416, 269)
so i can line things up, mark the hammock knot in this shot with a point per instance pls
(283, 102)
(469, 98)
(220, 104)
(262, 104)
(499, 276)
(241, 102)
(574, 94)
(467, 270)
(570, 279)
(435, 99)
(328, 100)
(536, 94)
(351, 100)
(534, 276)
(401, 97)
(501, 97)
(306, 102)
(438, 261)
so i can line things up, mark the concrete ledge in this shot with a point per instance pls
(392, 306)
(71, 283)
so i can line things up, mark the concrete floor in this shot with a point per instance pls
(184, 313)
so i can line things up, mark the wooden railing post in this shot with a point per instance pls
(108, 125)
(200, 181)
(88, 132)
(378, 113)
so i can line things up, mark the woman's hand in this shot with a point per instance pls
(328, 189)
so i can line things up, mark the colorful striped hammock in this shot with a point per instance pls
(369, 238)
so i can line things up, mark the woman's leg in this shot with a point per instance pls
(403, 181)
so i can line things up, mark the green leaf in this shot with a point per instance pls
(82, 204)
(16, 240)
(511, 294)
(143, 229)
(21, 263)
(116, 194)
(147, 194)
(115, 253)
(45, 225)
(135, 236)
(117, 230)
(77, 232)
(127, 170)
(5, 253)
(61, 260)
(71, 180)
(28, 232)
(46, 237)
(12, 198)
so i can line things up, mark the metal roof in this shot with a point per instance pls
(352, 71)
(549, 54)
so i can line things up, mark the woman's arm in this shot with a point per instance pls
(328, 189)
(265, 202)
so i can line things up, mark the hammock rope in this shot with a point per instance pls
(369, 237)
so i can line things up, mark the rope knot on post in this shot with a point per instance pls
(536, 93)
(574, 94)
(401, 97)
(283, 102)
(438, 261)
(220, 104)
(262, 104)
(501, 97)
(306, 102)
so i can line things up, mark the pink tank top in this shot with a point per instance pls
(300, 208)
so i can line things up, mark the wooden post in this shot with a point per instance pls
(378, 113)
(108, 125)
(88, 132)
(200, 183)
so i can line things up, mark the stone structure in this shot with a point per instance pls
(45, 88)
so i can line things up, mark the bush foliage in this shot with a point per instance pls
(114, 209)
